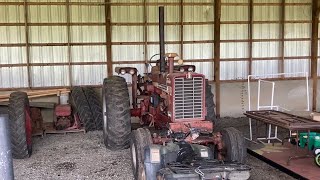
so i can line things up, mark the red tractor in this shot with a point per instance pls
(176, 111)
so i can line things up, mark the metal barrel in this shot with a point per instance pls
(6, 165)
(161, 38)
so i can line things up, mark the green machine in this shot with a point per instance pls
(313, 143)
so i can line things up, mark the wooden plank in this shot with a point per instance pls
(250, 29)
(27, 42)
(152, 42)
(282, 33)
(145, 32)
(314, 52)
(108, 37)
(181, 28)
(69, 42)
(217, 18)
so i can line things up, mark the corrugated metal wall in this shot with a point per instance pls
(67, 38)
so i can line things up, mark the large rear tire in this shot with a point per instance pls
(20, 125)
(82, 107)
(211, 115)
(234, 145)
(117, 118)
(140, 139)
(95, 106)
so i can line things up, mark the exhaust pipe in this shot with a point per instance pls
(161, 38)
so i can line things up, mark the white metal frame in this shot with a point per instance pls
(272, 106)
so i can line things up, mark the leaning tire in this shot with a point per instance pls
(20, 125)
(95, 106)
(117, 120)
(83, 108)
(234, 145)
(211, 115)
(140, 139)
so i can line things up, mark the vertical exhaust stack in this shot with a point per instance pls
(161, 38)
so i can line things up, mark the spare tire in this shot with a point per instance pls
(211, 115)
(95, 106)
(117, 117)
(234, 149)
(82, 107)
(20, 125)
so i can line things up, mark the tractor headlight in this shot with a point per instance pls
(123, 72)
(190, 69)
(181, 69)
(131, 72)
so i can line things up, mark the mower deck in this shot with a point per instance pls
(204, 169)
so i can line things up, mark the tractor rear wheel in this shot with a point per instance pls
(234, 145)
(117, 118)
(211, 115)
(20, 125)
(95, 106)
(140, 139)
(81, 104)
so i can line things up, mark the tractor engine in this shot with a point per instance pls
(180, 99)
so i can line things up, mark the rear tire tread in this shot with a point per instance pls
(118, 117)
(16, 109)
(95, 106)
(82, 107)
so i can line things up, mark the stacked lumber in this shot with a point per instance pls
(38, 93)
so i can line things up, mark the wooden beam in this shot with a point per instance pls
(217, 18)
(27, 41)
(282, 39)
(314, 52)
(108, 37)
(145, 32)
(181, 29)
(250, 35)
(69, 42)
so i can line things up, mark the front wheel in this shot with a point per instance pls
(234, 149)
(140, 139)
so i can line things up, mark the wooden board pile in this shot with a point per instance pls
(38, 93)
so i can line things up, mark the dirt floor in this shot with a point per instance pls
(84, 156)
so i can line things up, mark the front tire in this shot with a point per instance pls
(117, 118)
(140, 139)
(234, 145)
(20, 125)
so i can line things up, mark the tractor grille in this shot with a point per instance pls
(188, 98)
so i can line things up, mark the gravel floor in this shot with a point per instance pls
(83, 156)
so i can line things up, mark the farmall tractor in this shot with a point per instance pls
(176, 111)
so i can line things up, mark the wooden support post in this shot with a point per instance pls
(69, 42)
(108, 37)
(282, 27)
(145, 32)
(181, 29)
(314, 52)
(25, 5)
(217, 19)
(250, 35)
